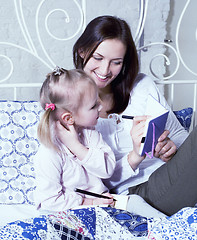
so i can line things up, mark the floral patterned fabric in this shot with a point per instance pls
(137, 225)
(103, 223)
(85, 224)
(18, 145)
(185, 117)
(34, 228)
(182, 225)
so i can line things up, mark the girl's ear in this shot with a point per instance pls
(67, 118)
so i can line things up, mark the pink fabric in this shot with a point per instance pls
(57, 177)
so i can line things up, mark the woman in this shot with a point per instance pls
(107, 53)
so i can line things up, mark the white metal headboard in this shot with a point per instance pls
(61, 22)
(173, 84)
(80, 25)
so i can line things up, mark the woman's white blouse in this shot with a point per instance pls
(116, 132)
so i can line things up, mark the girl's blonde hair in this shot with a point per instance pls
(64, 90)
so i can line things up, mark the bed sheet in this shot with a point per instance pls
(10, 213)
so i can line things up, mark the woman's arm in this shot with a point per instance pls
(170, 140)
(136, 132)
(124, 175)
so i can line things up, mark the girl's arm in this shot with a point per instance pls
(94, 154)
(51, 193)
(100, 160)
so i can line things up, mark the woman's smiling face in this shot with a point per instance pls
(106, 62)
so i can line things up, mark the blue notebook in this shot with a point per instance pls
(155, 125)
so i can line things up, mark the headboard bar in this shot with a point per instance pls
(172, 84)
(20, 85)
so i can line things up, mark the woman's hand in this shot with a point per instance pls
(136, 132)
(165, 148)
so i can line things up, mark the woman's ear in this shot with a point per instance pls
(81, 53)
(67, 118)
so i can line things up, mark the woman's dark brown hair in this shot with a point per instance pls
(98, 30)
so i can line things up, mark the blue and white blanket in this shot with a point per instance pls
(85, 224)
(180, 226)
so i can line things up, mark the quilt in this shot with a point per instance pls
(180, 226)
(84, 224)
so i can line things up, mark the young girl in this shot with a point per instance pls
(70, 98)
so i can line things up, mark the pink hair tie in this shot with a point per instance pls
(50, 105)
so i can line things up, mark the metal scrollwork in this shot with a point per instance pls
(33, 48)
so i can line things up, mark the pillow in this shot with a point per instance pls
(184, 116)
(18, 145)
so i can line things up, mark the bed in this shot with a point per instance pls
(19, 117)
(19, 218)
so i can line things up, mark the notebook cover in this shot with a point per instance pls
(159, 123)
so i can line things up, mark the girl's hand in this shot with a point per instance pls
(99, 201)
(136, 132)
(69, 138)
(165, 148)
(67, 135)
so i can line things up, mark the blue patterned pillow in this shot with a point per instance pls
(18, 144)
(184, 116)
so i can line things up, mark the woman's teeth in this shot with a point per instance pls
(102, 77)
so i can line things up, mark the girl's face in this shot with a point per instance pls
(88, 112)
(106, 62)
